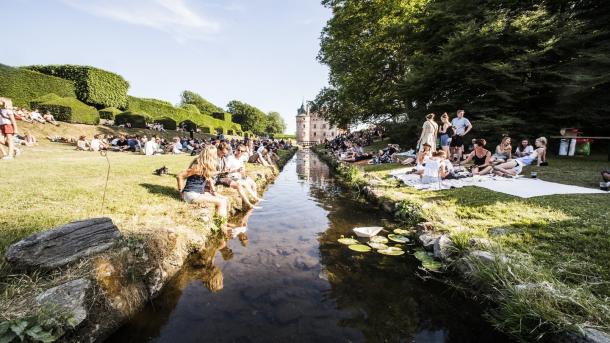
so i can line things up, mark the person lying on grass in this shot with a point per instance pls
(200, 173)
(480, 157)
(515, 166)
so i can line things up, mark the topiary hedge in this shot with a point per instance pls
(191, 108)
(92, 85)
(109, 113)
(137, 120)
(47, 97)
(69, 110)
(22, 86)
(168, 123)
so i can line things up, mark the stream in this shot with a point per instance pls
(289, 280)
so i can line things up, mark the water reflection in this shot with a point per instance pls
(289, 280)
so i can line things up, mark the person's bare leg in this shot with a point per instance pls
(485, 170)
(606, 176)
(242, 193)
(11, 144)
(219, 202)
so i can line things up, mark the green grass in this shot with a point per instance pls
(559, 241)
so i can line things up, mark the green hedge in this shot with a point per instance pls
(92, 85)
(22, 86)
(224, 116)
(47, 97)
(191, 108)
(137, 119)
(168, 123)
(69, 110)
(109, 113)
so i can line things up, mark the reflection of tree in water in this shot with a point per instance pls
(311, 169)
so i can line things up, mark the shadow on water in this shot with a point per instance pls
(289, 280)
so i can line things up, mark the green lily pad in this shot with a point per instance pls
(392, 251)
(379, 239)
(347, 241)
(398, 238)
(427, 261)
(378, 246)
(401, 232)
(360, 247)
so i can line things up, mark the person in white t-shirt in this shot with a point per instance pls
(150, 147)
(176, 146)
(97, 144)
(524, 149)
(237, 171)
(461, 127)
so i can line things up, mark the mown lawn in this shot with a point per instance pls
(561, 242)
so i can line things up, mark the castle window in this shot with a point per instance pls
(324, 126)
(314, 134)
(314, 126)
(303, 125)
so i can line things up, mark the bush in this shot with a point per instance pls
(92, 85)
(70, 110)
(168, 123)
(47, 97)
(188, 125)
(224, 116)
(22, 86)
(109, 113)
(137, 120)
(191, 108)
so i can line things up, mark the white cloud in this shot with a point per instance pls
(174, 17)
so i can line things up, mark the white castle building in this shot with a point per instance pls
(312, 128)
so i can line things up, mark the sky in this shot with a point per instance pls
(262, 52)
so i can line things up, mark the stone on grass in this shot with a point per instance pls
(63, 245)
(67, 299)
(443, 247)
(427, 241)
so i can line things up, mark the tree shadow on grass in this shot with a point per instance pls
(162, 190)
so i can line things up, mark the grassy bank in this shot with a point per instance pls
(554, 276)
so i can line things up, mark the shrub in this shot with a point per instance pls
(22, 86)
(92, 85)
(139, 119)
(224, 116)
(191, 108)
(168, 123)
(70, 110)
(188, 125)
(109, 113)
(47, 97)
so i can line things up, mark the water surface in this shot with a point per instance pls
(290, 281)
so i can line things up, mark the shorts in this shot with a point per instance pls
(519, 167)
(225, 181)
(445, 140)
(191, 197)
(7, 129)
(457, 141)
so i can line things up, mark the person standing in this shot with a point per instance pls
(446, 131)
(428, 133)
(8, 128)
(461, 127)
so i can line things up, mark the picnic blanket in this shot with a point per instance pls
(520, 186)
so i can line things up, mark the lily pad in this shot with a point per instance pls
(379, 239)
(393, 251)
(401, 232)
(378, 246)
(347, 241)
(360, 247)
(398, 238)
(427, 261)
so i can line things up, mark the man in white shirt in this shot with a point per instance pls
(524, 148)
(461, 127)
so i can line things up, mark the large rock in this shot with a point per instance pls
(427, 241)
(63, 245)
(443, 247)
(67, 299)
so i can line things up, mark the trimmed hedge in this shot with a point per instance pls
(168, 123)
(224, 116)
(47, 97)
(109, 113)
(21, 86)
(92, 85)
(191, 108)
(70, 110)
(138, 120)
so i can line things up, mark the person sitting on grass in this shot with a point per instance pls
(35, 116)
(480, 157)
(524, 148)
(8, 128)
(503, 151)
(82, 144)
(193, 181)
(237, 171)
(97, 144)
(222, 177)
(435, 170)
(515, 166)
(176, 146)
(48, 117)
(421, 158)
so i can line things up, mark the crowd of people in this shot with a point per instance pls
(10, 137)
(441, 151)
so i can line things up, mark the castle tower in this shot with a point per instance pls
(303, 123)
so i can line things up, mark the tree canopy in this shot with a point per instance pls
(527, 67)
(250, 117)
(205, 107)
(275, 123)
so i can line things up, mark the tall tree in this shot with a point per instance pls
(275, 123)
(204, 106)
(250, 117)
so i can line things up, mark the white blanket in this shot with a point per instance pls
(520, 186)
